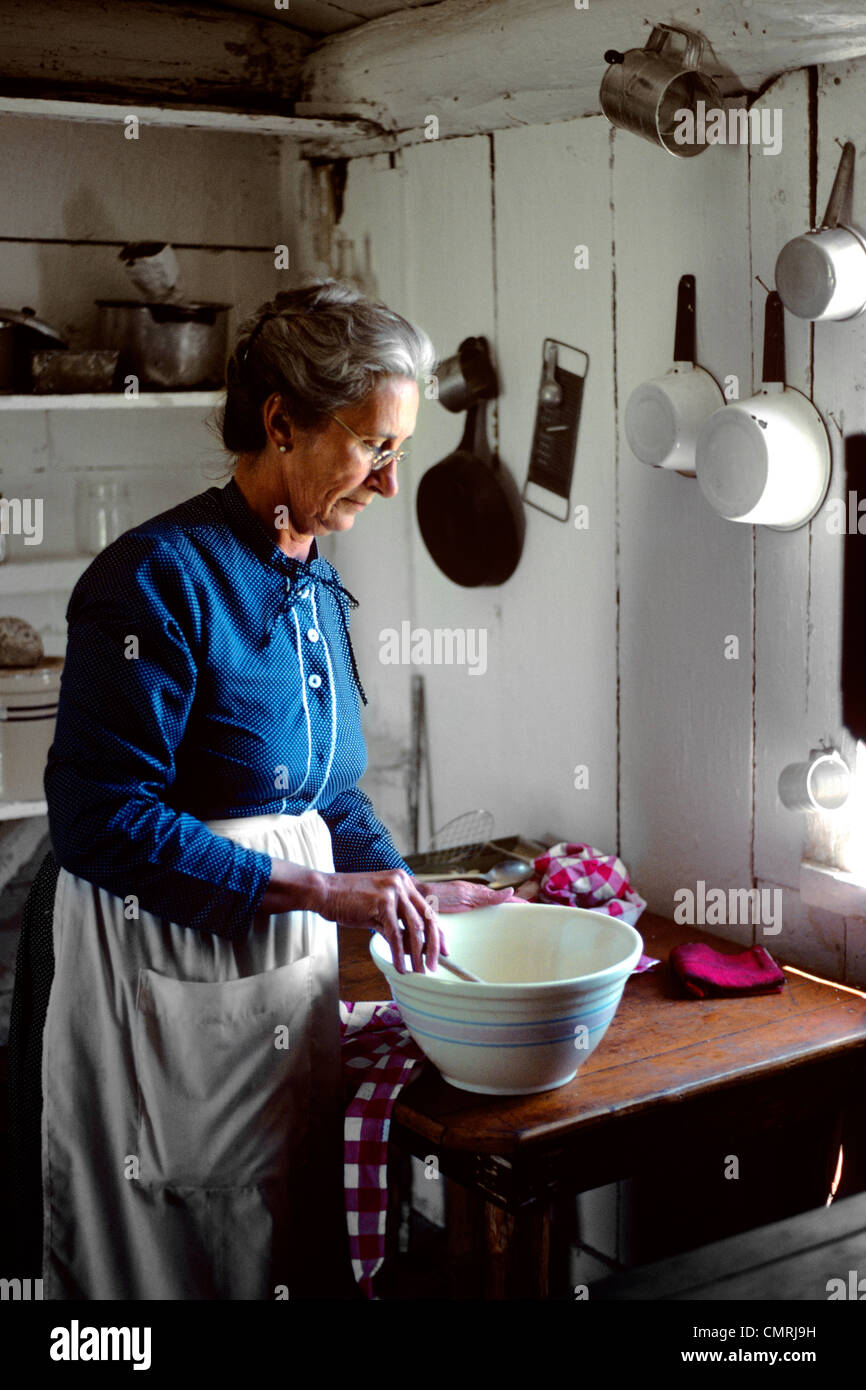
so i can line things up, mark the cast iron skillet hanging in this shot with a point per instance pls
(470, 511)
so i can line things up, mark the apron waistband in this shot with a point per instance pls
(267, 822)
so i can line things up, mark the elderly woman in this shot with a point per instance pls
(207, 833)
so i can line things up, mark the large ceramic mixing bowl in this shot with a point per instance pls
(553, 976)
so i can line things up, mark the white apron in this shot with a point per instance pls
(192, 1097)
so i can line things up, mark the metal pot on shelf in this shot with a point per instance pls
(167, 346)
(21, 335)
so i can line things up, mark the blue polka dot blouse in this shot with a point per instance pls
(207, 675)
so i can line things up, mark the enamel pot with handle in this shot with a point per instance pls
(822, 275)
(663, 416)
(766, 460)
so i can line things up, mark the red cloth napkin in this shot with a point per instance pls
(704, 971)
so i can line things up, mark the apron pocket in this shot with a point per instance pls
(224, 1076)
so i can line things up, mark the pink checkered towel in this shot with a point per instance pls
(378, 1056)
(576, 875)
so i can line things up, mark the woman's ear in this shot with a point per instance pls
(278, 426)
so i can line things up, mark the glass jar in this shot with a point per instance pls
(102, 512)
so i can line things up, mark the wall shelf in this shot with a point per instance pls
(834, 890)
(41, 576)
(303, 127)
(114, 400)
(22, 810)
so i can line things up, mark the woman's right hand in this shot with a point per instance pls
(388, 901)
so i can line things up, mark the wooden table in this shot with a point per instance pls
(679, 1095)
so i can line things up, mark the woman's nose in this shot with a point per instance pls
(384, 480)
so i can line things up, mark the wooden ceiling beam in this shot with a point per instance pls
(478, 66)
(149, 52)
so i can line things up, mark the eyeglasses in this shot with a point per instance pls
(380, 459)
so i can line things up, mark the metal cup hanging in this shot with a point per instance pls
(467, 377)
(650, 91)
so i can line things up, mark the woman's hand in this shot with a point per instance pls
(389, 902)
(461, 895)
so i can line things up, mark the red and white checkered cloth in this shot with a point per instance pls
(576, 875)
(378, 1057)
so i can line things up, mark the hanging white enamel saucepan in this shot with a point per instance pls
(766, 460)
(663, 416)
(822, 275)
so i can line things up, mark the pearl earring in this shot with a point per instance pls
(282, 448)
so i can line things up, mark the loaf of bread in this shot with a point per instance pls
(20, 644)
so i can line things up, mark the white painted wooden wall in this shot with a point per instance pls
(607, 647)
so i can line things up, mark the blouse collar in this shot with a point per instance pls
(252, 529)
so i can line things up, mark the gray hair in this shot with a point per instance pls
(320, 347)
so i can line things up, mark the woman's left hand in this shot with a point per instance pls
(461, 895)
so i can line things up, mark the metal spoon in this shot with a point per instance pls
(508, 873)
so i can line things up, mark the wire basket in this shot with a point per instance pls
(460, 839)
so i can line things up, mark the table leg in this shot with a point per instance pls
(495, 1254)
(399, 1197)
(463, 1236)
(517, 1252)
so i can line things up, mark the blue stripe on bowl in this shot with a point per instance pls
(529, 1023)
(498, 1034)
(493, 1042)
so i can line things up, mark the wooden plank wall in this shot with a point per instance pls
(839, 384)
(439, 231)
(607, 647)
(799, 575)
(685, 728)
(376, 561)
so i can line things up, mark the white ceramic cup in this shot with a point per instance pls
(822, 784)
